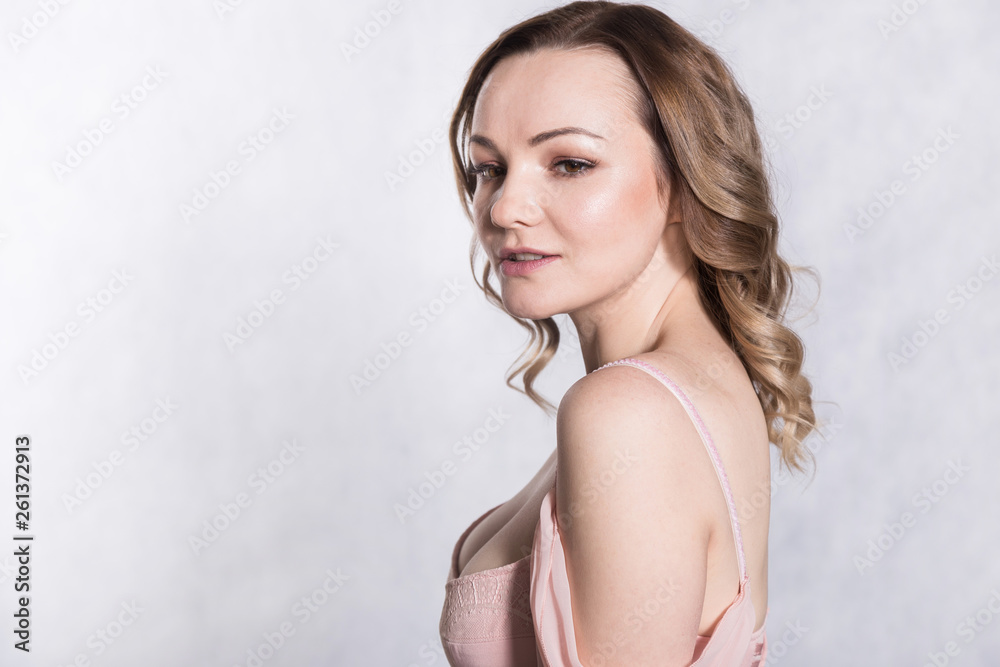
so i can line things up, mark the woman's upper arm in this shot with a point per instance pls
(630, 495)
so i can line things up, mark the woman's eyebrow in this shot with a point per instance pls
(538, 138)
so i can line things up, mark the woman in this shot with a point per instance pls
(614, 173)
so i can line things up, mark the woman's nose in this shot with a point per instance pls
(520, 201)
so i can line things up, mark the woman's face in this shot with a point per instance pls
(566, 169)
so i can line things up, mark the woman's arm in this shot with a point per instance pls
(634, 490)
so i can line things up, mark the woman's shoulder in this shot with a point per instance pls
(615, 391)
(621, 414)
(709, 373)
(667, 411)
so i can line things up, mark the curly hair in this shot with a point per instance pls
(709, 152)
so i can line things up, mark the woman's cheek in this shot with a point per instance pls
(600, 212)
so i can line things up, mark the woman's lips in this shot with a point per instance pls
(512, 267)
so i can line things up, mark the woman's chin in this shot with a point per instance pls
(527, 311)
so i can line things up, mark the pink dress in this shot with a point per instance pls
(519, 614)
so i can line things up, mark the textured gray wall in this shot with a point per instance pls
(245, 170)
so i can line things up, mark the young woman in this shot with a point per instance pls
(612, 169)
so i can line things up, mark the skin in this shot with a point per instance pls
(606, 223)
(624, 276)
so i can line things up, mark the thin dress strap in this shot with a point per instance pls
(705, 437)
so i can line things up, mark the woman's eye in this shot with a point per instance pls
(574, 167)
(485, 171)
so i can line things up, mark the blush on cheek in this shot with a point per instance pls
(615, 228)
(610, 211)
(639, 206)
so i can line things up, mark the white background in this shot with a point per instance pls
(357, 453)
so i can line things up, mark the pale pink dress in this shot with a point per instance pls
(519, 615)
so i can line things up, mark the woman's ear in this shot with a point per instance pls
(675, 204)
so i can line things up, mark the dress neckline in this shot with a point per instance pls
(516, 568)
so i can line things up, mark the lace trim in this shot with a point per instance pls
(489, 605)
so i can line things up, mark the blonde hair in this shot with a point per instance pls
(709, 151)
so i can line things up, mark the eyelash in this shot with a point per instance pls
(585, 166)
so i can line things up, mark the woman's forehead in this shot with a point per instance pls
(529, 93)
